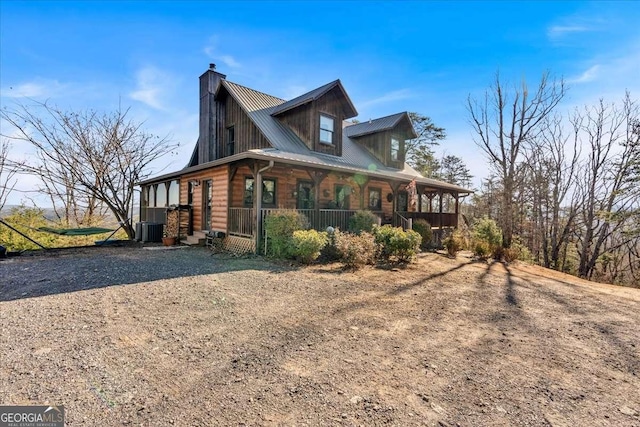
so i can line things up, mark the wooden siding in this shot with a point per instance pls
(247, 135)
(305, 121)
(286, 185)
(219, 206)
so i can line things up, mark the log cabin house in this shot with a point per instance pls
(257, 154)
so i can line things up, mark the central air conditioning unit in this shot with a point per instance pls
(149, 232)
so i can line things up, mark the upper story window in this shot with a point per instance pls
(231, 140)
(326, 130)
(395, 149)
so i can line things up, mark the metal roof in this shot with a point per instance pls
(288, 147)
(375, 125)
(312, 96)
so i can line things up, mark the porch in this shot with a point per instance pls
(241, 221)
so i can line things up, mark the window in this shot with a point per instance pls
(152, 196)
(305, 196)
(231, 140)
(268, 192)
(174, 193)
(326, 130)
(375, 199)
(342, 196)
(161, 195)
(395, 149)
(190, 186)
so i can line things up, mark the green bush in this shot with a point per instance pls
(396, 243)
(487, 230)
(307, 244)
(280, 227)
(423, 228)
(356, 250)
(330, 251)
(362, 221)
(482, 249)
(454, 243)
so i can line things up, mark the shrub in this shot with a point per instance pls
(356, 250)
(394, 242)
(511, 254)
(279, 227)
(481, 249)
(486, 229)
(330, 252)
(362, 221)
(497, 252)
(454, 243)
(307, 244)
(423, 228)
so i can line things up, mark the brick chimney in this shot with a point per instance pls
(209, 116)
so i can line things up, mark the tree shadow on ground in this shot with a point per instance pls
(68, 271)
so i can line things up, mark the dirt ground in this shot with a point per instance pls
(248, 342)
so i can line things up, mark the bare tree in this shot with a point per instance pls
(87, 158)
(7, 173)
(552, 161)
(504, 122)
(609, 178)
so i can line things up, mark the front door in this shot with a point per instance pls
(306, 195)
(403, 202)
(207, 199)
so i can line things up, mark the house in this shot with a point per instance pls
(257, 154)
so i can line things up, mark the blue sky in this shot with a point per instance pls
(426, 57)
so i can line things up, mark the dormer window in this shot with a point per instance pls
(395, 149)
(326, 129)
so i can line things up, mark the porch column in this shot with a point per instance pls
(457, 209)
(395, 186)
(362, 186)
(419, 190)
(440, 209)
(317, 177)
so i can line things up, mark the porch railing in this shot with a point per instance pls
(241, 222)
(435, 219)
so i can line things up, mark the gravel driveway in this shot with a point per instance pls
(126, 336)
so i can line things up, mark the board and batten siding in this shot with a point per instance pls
(247, 134)
(219, 177)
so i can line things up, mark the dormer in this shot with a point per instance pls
(316, 117)
(384, 137)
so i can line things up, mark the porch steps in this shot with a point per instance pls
(196, 239)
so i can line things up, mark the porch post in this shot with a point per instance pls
(362, 186)
(457, 208)
(317, 177)
(419, 190)
(440, 209)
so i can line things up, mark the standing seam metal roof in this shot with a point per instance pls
(372, 126)
(286, 144)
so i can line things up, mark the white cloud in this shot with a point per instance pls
(230, 61)
(151, 84)
(396, 95)
(556, 31)
(33, 89)
(588, 75)
(211, 50)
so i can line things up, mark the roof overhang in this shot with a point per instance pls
(281, 157)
